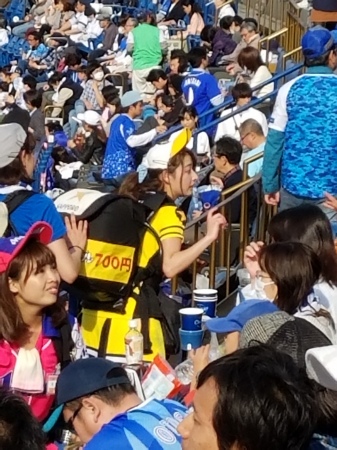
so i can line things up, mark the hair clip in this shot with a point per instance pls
(142, 172)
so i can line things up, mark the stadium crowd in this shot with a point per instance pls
(118, 124)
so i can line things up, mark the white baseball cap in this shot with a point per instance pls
(90, 117)
(159, 156)
(13, 137)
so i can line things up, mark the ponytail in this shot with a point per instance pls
(153, 182)
(134, 189)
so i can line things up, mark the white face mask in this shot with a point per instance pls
(98, 76)
(260, 289)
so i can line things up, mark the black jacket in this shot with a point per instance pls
(70, 103)
(92, 151)
(234, 179)
(176, 13)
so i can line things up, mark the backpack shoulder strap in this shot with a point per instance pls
(64, 345)
(13, 201)
(154, 201)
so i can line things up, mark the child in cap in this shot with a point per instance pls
(35, 329)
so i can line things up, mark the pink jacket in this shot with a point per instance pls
(39, 403)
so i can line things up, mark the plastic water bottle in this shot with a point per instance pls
(184, 372)
(133, 344)
(214, 349)
(196, 202)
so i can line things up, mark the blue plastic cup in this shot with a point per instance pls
(190, 340)
(191, 318)
(208, 306)
(206, 299)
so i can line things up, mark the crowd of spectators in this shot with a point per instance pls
(101, 97)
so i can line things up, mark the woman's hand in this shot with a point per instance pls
(161, 129)
(196, 213)
(77, 232)
(251, 258)
(217, 181)
(331, 201)
(71, 143)
(215, 222)
(230, 68)
(200, 359)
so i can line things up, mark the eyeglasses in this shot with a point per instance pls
(242, 138)
(265, 279)
(70, 421)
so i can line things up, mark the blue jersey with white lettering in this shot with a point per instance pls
(201, 90)
(119, 157)
(150, 426)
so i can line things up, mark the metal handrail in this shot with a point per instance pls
(228, 103)
(272, 36)
(224, 242)
(237, 190)
(220, 251)
(276, 77)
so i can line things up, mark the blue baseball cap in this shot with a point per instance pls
(84, 377)
(10, 247)
(130, 98)
(240, 315)
(317, 42)
(334, 35)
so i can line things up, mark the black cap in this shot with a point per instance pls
(85, 376)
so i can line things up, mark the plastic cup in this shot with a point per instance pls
(206, 299)
(191, 318)
(190, 340)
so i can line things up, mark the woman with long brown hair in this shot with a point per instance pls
(33, 321)
(167, 168)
